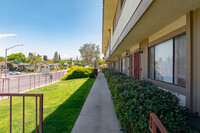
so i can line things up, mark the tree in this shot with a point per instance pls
(59, 58)
(62, 62)
(76, 62)
(45, 58)
(10, 67)
(30, 56)
(38, 59)
(2, 59)
(56, 57)
(90, 54)
(77, 58)
(70, 61)
(101, 61)
(16, 57)
(49, 61)
(97, 56)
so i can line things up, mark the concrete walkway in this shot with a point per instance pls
(98, 115)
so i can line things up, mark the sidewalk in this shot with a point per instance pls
(97, 115)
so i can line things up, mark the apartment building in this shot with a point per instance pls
(156, 40)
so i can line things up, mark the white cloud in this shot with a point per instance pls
(7, 35)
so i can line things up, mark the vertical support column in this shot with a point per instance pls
(10, 114)
(41, 114)
(190, 57)
(144, 59)
(36, 108)
(23, 114)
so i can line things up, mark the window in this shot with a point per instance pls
(167, 61)
(151, 62)
(180, 60)
(117, 64)
(124, 64)
(164, 61)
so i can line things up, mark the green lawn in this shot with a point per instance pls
(63, 102)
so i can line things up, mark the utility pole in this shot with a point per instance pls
(6, 59)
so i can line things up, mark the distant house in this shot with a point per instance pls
(45, 66)
(66, 64)
(15, 65)
(55, 65)
(28, 66)
(73, 64)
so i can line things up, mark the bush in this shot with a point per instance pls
(21, 69)
(61, 67)
(79, 72)
(10, 67)
(135, 99)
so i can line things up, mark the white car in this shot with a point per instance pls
(15, 73)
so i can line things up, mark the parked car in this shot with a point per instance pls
(15, 73)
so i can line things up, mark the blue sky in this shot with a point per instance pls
(46, 26)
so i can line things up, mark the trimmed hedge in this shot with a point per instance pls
(135, 99)
(79, 72)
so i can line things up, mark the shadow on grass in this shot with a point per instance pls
(64, 117)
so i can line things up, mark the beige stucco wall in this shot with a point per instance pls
(128, 10)
(144, 59)
(169, 28)
(190, 24)
(195, 40)
(134, 48)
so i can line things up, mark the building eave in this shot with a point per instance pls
(158, 15)
(109, 7)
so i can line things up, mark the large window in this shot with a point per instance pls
(151, 62)
(164, 61)
(123, 65)
(180, 60)
(117, 65)
(167, 61)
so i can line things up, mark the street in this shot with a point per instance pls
(2, 75)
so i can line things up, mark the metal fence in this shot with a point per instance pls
(40, 96)
(20, 84)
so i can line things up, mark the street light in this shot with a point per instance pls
(6, 56)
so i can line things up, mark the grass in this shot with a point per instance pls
(63, 102)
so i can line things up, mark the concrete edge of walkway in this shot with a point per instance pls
(97, 114)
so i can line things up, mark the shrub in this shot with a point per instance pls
(21, 69)
(61, 67)
(135, 99)
(79, 72)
